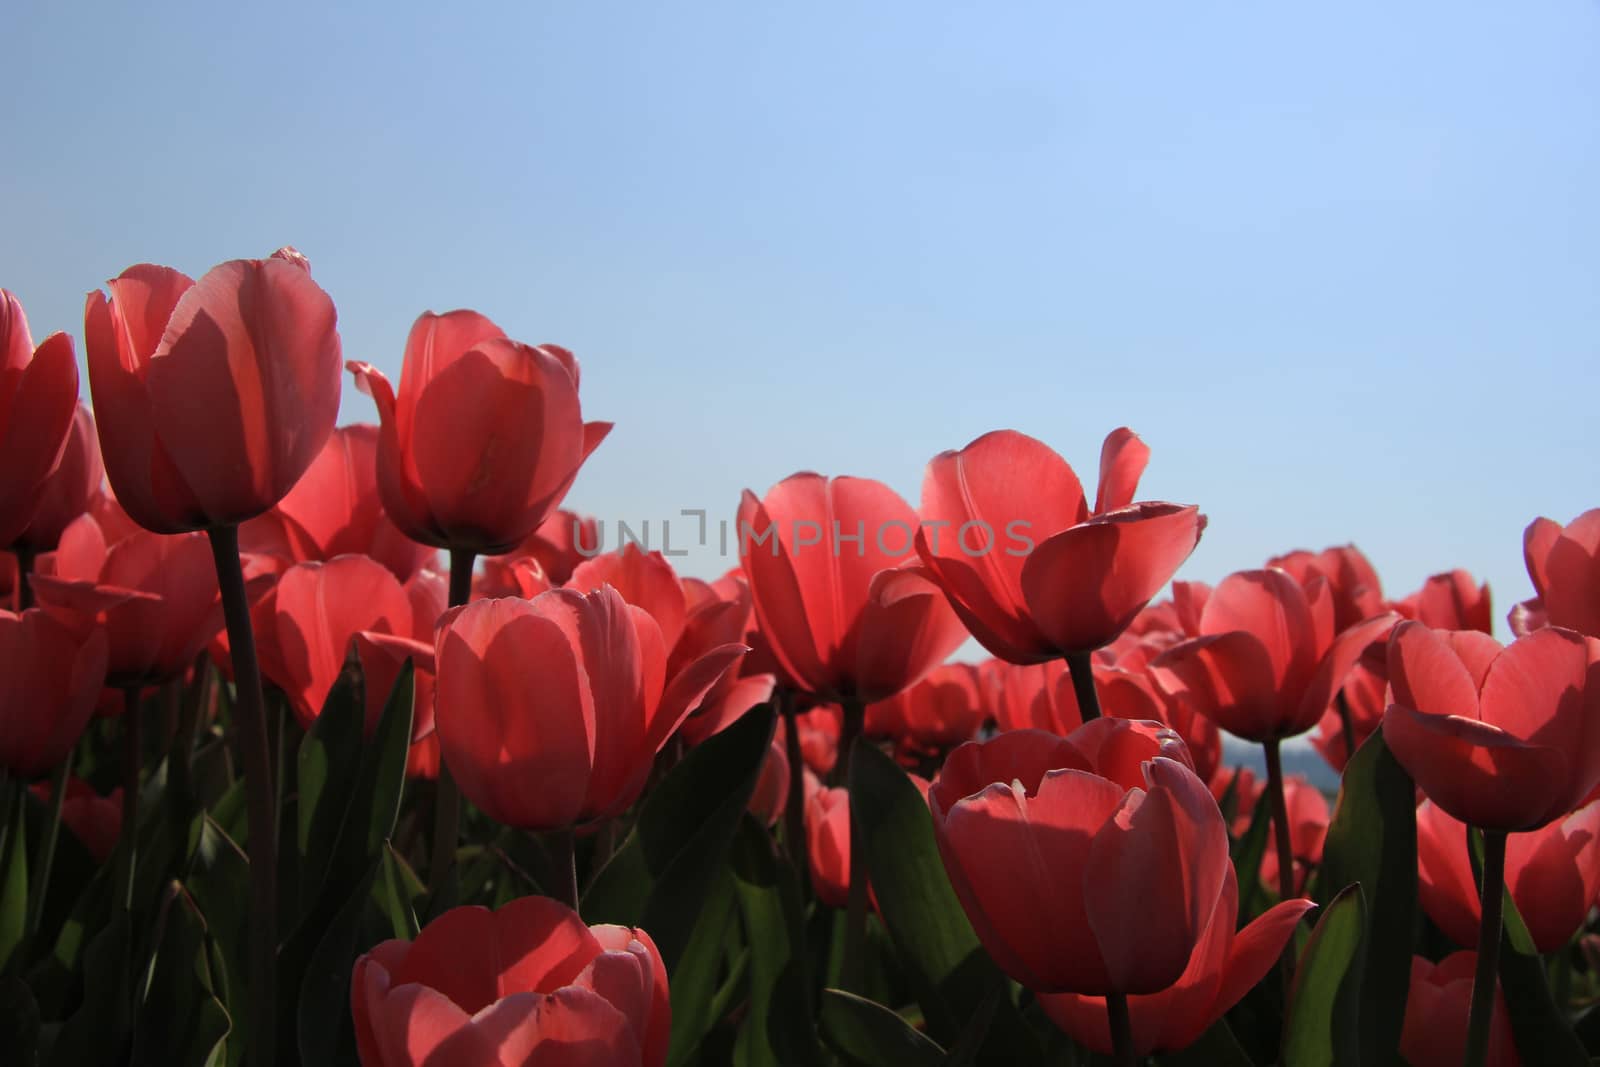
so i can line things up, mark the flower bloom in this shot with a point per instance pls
(1090, 864)
(212, 397)
(50, 680)
(1502, 738)
(526, 983)
(550, 711)
(844, 615)
(93, 819)
(154, 596)
(1452, 600)
(1268, 660)
(938, 713)
(38, 395)
(1553, 874)
(1564, 565)
(1352, 581)
(1031, 570)
(334, 510)
(1437, 1006)
(71, 484)
(828, 844)
(1308, 828)
(559, 544)
(484, 437)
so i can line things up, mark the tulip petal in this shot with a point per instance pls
(1123, 458)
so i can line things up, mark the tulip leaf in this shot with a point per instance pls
(777, 1029)
(19, 1022)
(1541, 1029)
(660, 875)
(1217, 1047)
(1373, 840)
(181, 1020)
(1254, 897)
(14, 882)
(219, 882)
(867, 1033)
(97, 1034)
(694, 983)
(948, 969)
(323, 1027)
(326, 768)
(1319, 1027)
(399, 891)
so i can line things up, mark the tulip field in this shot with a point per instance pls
(350, 745)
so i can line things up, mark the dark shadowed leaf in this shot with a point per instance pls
(1319, 1029)
(865, 1032)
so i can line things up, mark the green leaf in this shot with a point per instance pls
(400, 890)
(14, 887)
(219, 882)
(1373, 840)
(948, 969)
(324, 1030)
(326, 771)
(1320, 1026)
(19, 1022)
(661, 874)
(1254, 897)
(181, 1020)
(777, 1028)
(867, 1033)
(694, 983)
(97, 1034)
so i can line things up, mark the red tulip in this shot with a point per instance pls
(1450, 601)
(307, 622)
(38, 396)
(93, 819)
(1502, 738)
(939, 712)
(1553, 874)
(828, 845)
(1268, 661)
(719, 613)
(1030, 569)
(1365, 693)
(334, 511)
(1308, 828)
(1352, 581)
(1224, 967)
(1247, 790)
(645, 580)
(212, 397)
(771, 795)
(526, 983)
(1091, 864)
(844, 615)
(1564, 565)
(484, 438)
(550, 711)
(154, 596)
(68, 489)
(820, 728)
(50, 679)
(1435, 1031)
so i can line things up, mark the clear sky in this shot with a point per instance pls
(1339, 264)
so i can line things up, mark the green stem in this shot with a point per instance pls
(447, 798)
(1483, 980)
(47, 849)
(855, 931)
(250, 720)
(1081, 666)
(1280, 819)
(1347, 724)
(564, 866)
(1121, 1030)
(127, 843)
(794, 812)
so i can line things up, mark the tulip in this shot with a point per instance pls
(1553, 874)
(212, 397)
(1450, 601)
(1352, 581)
(94, 820)
(154, 595)
(483, 439)
(309, 619)
(938, 713)
(38, 398)
(1363, 698)
(1506, 739)
(1308, 828)
(334, 510)
(68, 489)
(50, 679)
(1246, 792)
(1435, 1029)
(771, 796)
(1224, 967)
(645, 580)
(526, 983)
(559, 544)
(828, 845)
(1564, 565)
(550, 711)
(1043, 576)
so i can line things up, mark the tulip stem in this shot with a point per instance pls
(250, 720)
(1483, 981)
(47, 849)
(25, 558)
(127, 842)
(15, 811)
(1280, 819)
(1121, 1030)
(564, 867)
(447, 798)
(855, 930)
(1346, 724)
(794, 812)
(1081, 666)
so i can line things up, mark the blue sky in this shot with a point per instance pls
(1338, 264)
